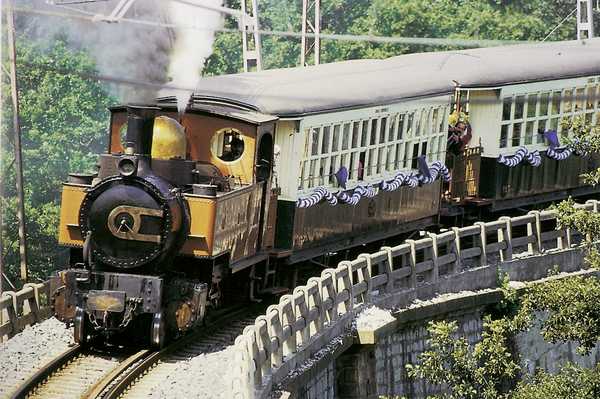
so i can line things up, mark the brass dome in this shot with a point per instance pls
(168, 139)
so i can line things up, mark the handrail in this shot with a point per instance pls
(303, 319)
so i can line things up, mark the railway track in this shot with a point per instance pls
(91, 373)
(143, 380)
(75, 373)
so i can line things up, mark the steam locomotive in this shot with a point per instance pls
(266, 171)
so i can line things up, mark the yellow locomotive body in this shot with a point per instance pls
(222, 222)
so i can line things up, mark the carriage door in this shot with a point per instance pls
(264, 169)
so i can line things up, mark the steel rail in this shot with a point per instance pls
(46, 371)
(96, 390)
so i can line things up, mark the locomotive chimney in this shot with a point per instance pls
(140, 125)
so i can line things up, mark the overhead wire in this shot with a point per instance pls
(472, 43)
(559, 25)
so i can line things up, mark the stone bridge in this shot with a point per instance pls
(307, 346)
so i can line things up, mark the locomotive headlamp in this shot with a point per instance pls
(127, 166)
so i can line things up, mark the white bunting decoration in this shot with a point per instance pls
(353, 196)
(534, 158)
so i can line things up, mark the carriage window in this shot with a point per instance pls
(409, 124)
(579, 99)
(336, 138)
(400, 127)
(503, 136)
(506, 107)
(346, 136)
(373, 131)
(415, 156)
(591, 97)
(516, 135)
(382, 127)
(315, 141)
(365, 129)
(531, 104)
(519, 105)
(556, 103)
(545, 97)
(355, 130)
(325, 144)
(568, 101)
(392, 129)
(228, 144)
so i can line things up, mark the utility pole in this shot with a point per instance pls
(250, 36)
(17, 139)
(585, 19)
(311, 25)
(1, 180)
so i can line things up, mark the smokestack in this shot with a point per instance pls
(140, 124)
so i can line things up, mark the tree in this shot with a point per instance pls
(571, 382)
(489, 369)
(467, 19)
(63, 120)
(470, 372)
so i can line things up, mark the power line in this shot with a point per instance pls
(88, 17)
(559, 25)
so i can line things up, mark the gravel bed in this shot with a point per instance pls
(27, 351)
(207, 375)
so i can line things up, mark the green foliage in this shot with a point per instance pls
(63, 121)
(482, 371)
(572, 382)
(466, 19)
(587, 223)
(571, 305)
(488, 369)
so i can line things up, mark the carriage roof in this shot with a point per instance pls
(343, 85)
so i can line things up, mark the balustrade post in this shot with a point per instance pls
(537, 231)
(483, 243)
(435, 273)
(316, 301)
(344, 283)
(288, 317)
(276, 332)
(364, 274)
(413, 263)
(456, 247)
(389, 268)
(505, 235)
(594, 205)
(13, 312)
(263, 341)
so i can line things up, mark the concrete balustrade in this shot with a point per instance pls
(23, 308)
(305, 321)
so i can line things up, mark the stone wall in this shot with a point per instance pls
(402, 345)
(396, 350)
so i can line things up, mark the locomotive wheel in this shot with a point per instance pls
(80, 330)
(158, 330)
